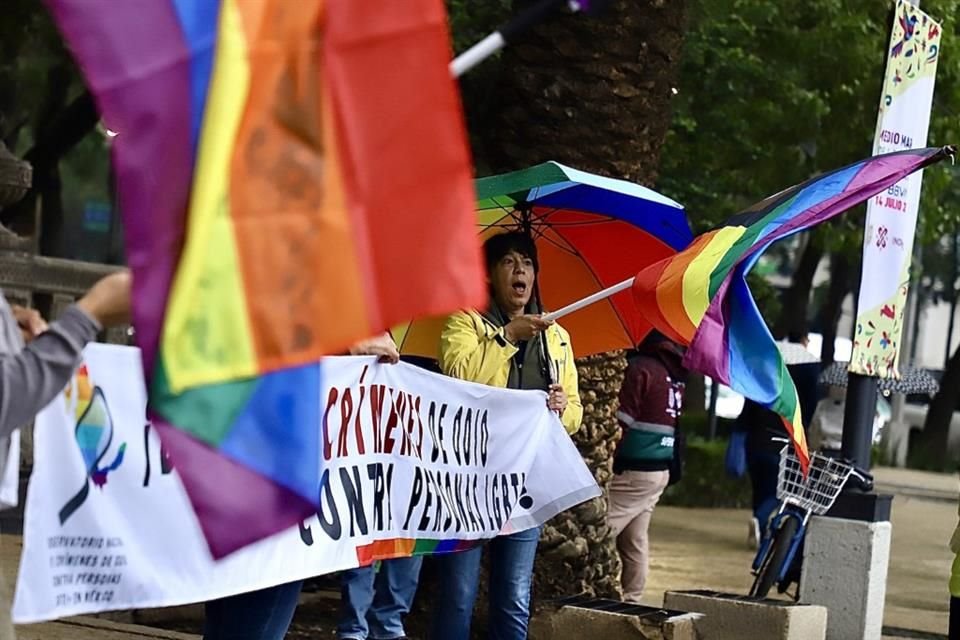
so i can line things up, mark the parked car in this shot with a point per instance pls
(729, 402)
(915, 414)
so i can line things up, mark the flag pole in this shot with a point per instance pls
(477, 54)
(589, 300)
(509, 32)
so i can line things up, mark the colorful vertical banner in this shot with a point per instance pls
(902, 123)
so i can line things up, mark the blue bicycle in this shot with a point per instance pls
(800, 497)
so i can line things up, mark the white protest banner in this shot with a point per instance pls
(10, 483)
(108, 525)
(902, 123)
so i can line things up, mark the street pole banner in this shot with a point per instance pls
(412, 463)
(903, 121)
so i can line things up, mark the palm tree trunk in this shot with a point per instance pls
(593, 93)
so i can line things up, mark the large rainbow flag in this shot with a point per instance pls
(293, 176)
(699, 297)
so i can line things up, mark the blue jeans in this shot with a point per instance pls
(373, 603)
(257, 615)
(763, 467)
(511, 574)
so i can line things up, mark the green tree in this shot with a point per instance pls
(773, 93)
(594, 93)
(45, 111)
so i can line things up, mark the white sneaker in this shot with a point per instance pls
(753, 534)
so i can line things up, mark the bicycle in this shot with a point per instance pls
(800, 497)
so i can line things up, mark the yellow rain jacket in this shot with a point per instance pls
(474, 349)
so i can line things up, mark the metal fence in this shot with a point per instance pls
(49, 285)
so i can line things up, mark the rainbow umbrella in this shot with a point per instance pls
(591, 233)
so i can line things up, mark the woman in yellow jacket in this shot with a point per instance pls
(501, 346)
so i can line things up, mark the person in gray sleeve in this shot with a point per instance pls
(37, 361)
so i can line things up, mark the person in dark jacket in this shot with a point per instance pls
(373, 602)
(765, 438)
(651, 400)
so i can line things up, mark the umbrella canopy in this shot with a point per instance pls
(912, 380)
(793, 353)
(591, 232)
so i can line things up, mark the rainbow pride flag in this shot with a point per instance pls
(405, 547)
(294, 176)
(699, 297)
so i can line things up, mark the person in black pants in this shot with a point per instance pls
(765, 435)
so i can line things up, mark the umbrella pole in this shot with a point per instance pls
(544, 350)
(509, 33)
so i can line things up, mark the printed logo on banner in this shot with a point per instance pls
(94, 436)
(166, 464)
(882, 237)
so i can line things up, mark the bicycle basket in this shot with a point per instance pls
(819, 490)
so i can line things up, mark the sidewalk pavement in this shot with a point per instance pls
(696, 548)
(80, 627)
(917, 484)
(706, 548)
(84, 628)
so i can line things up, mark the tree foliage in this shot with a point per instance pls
(470, 22)
(33, 64)
(774, 93)
(48, 118)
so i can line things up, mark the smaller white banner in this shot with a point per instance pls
(902, 124)
(108, 525)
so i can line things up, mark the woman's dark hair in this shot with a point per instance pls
(496, 247)
(652, 341)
